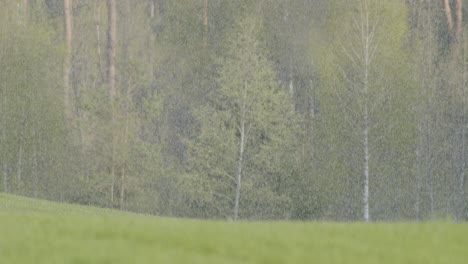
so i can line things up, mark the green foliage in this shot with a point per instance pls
(290, 71)
(33, 134)
(249, 96)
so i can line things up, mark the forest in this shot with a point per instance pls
(344, 110)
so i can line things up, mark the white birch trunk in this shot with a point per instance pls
(205, 23)
(67, 64)
(361, 56)
(239, 169)
(152, 9)
(291, 85)
(367, 60)
(240, 164)
(366, 165)
(111, 78)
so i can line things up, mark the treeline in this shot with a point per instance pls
(272, 109)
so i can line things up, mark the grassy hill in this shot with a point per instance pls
(33, 231)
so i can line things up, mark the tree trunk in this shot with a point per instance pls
(35, 172)
(123, 168)
(25, 8)
(20, 163)
(361, 57)
(97, 21)
(307, 146)
(127, 100)
(19, 168)
(448, 15)
(291, 84)
(240, 164)
(35, 169)
(4, 142)
(152, 9)
(122, 186)
(5, 176)
(463, 142)
(239, 169)
(111, 46)
(367, 60)
(67, 7)
(205, 23)
(455, 31)
(431, 193)
(111, 54)
(418, 175)
(112, 182)
(458, 19)
(366, 165)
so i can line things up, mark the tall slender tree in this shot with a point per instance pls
(68, 15)
(361, 56)
(205, 23)
(250, 120)
(111, 80)
(454, 23)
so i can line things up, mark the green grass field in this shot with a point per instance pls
(34, 231)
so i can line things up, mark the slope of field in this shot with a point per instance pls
(34, 231)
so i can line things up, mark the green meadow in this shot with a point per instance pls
(34, 231)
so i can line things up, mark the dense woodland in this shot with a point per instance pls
(248, 109)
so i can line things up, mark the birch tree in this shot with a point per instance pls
(363, 92)
(249, 117)
(453, 10)
(361, 56)
(68, 14)
(111, 79)
(205, 23)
